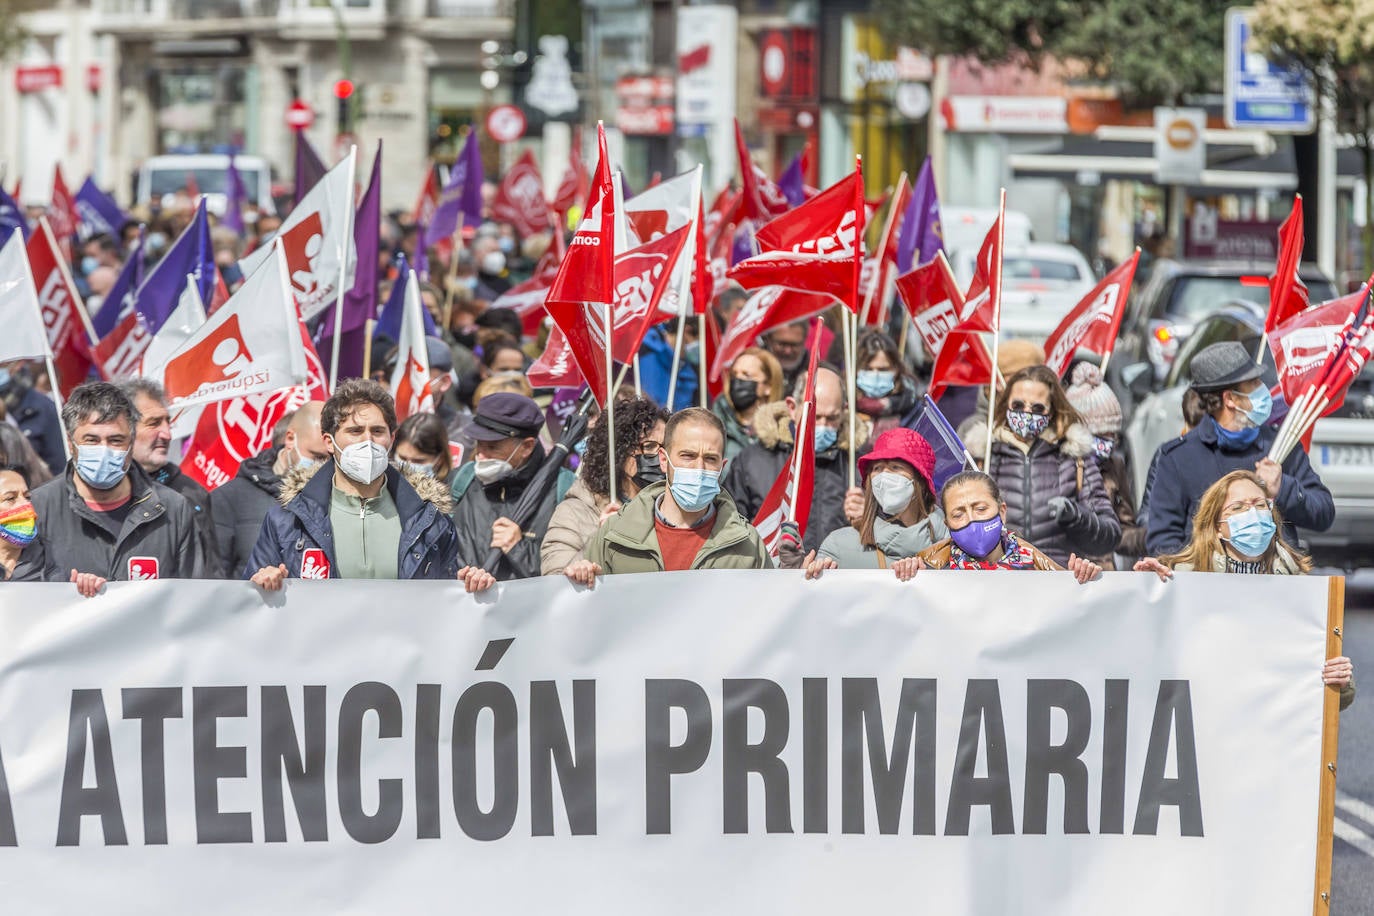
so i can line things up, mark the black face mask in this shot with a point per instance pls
(648, 470)
(743, 393)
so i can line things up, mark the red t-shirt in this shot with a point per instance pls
(680, 546)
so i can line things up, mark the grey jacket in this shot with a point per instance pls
(897, 542)
(160, 531)
(1031, 474)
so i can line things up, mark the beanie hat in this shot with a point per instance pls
(1015, 355)
(1095, 401)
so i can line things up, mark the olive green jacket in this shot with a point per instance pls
(628, 543)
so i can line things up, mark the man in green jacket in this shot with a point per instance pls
(685, 522)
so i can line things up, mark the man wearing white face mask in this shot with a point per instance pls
(354, 516)
(684, 522)
(506, 456)
(104, 517)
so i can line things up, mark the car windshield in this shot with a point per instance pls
(206, 180)
(1014, 268)
(1194, 296)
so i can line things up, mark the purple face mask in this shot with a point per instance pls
(978, 539)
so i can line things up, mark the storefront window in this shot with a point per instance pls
(201, 108)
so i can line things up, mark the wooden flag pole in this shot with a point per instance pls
(1331, 737)
(996, 324)
(368, 328)
(851, 323)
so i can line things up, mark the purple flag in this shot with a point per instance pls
(190, 254)
(11, 217)
(309, 168)
(98, 212)
(950, 455)
(920, 236)
(389, 322)
(743, 245)
(422, 254)
(360, 302)
(792, 182)
(234, 198)
(461, 196)
(120, 298)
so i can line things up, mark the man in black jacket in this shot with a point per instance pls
(507, 455)
(241, 504)
(104, 516)
(34, 413)
(750, 476)
(152, 446)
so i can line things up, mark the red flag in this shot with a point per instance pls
(556, 367)
(428, 199)
(1287, 292)
(765, 309)
(1092, 324)
(963, 360)
(520, 198)
(714, 384)
(221, 294)
(762, 199)
(985, 289)
(1307, 346)
(818, 247)
(576, 184)
(229, 432)
(119, 354)
(882, 266)
(64, 317)
(932, 297)
(527, 299)
(62, 214)
(587, 273)
(702, 281)
(789, 499)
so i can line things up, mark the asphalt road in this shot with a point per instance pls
(1352, 884)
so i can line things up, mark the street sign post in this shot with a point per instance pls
(505, 124)
(1261, 94)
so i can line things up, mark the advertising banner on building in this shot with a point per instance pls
(727, 742)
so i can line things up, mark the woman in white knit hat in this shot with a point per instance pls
(1101, 412)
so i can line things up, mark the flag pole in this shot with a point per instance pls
(701, 361)
(850, 323)
(639, 391)
(368, 328)
(996, 324)
(455, 243)
(47, 345)
(345, 240)
(610, 405)
(677, 361)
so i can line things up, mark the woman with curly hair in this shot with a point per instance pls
(1238, 530)
(639, 424)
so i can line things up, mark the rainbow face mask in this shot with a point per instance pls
(19, 525)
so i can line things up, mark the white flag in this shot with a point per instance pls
(20, 315)
(665, 208)
(251, 344)
(318, 238)
(410, 381)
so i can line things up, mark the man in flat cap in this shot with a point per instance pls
(1232, 437)
(506, 456)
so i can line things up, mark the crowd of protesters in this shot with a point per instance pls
(345, 491)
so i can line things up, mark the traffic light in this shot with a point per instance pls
(343, 91)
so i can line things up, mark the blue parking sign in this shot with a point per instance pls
(1261, 94)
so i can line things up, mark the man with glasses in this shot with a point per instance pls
(1233, 436)
(788, 343)
(506, 456)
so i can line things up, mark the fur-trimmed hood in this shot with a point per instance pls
(1077, 441)
(429, 489)
(773, 427)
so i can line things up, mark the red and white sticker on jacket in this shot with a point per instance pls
(141, 568)
(314, 564)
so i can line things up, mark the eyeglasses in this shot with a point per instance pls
(1242, 505)
(648, 447)
(1022, 407)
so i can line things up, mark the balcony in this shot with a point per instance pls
(194, 18)
(475, 19)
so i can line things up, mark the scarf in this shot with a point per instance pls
(1016, 556)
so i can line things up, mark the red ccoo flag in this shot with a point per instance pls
(789, 499)
(766, 309)
(1287, 292)
(762, 199)
(1092, 324)
(933, 300)
(520, 198)
(985, 289)
(963, 360)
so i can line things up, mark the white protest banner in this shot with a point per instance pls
(727, 742)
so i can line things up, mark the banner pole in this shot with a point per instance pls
(612, 385)
(996, 325)
(639, 390)
(368, 328)
(705, 397)
(1331, 734)
(851, 383)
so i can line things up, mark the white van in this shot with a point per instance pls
(965, 227)
(164, 175)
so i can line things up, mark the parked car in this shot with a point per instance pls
(1342, 450)
(160, 176)
(1162, 313)
(1041, 282)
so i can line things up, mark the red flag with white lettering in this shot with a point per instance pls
(63, 215)
(520, 198)
(963, 360)
(587, 273)
(762, 199)
(555, 367)
(932, 297)
(64, 317)
(527, 299)
(1287, 292)
(1305, 343)
(984, 295)
(1092, 324)
(789, 499)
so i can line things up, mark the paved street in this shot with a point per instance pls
(1353, 880)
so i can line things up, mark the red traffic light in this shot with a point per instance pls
(343, 89)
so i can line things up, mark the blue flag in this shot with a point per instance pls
(950, 455)
(11, 217)
(920, 236)
(120, 298)
(389, 321)
(98, 212)
(461, 196)
(190, 254)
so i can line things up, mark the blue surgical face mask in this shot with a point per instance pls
(1252, 531)
(825, 437)
(692, 352)
(693, 488)
(875, 382)
(507, 245)
(155, 242)
(304, 462)
(88, 265)
(1261, 405)
(101, 466)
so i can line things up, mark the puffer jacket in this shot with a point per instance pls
(428, 545)
(1030, 474)
(571, 526)
(752, 473)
